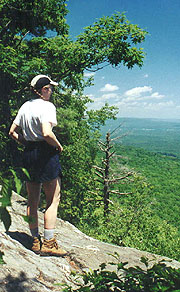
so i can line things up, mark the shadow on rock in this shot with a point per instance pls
(21, 237)
(18, 284)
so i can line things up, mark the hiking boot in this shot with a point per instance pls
(36, 245)
(50, 248)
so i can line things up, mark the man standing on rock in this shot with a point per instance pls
(35, 121)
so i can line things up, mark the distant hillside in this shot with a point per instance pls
(152, 148)
(163, 174)
(151, 134)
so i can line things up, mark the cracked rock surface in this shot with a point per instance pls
(24, 271)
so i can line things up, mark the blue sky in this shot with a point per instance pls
(154, 90)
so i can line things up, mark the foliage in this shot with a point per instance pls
(27, 49)
(162, 172)
(34, 39)
(22, 16)
(1, 258)
(5, 201)
(132, 222)
(155, 277)
(111, 39)
(97, 118)
(7, 185)
(19, 19)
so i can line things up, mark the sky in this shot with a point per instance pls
(152, 91)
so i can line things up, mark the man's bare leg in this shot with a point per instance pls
(52, 191)
(33, 190)
(50, 246)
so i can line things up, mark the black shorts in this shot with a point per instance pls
(41, 160)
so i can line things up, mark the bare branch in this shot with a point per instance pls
(99, 175)
(17, 9)
(98, 168)
(110, 147)
(119, 137)
(105, 145)
(5, 27)
(7, 24)
(100, 142)
(92, 192)
(110, 201)
(116, 128)
(22, 39)
(104, 171)
(104, 161)
(99, 68)
(103, 150)
(111, 154)
(101, 172)
(121, 178)
(99, 181)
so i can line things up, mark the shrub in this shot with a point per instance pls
(156, 277)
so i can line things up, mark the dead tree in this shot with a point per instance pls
(103, 173)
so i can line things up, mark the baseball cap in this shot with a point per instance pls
(40, 81)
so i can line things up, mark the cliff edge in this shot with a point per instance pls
(25, 271)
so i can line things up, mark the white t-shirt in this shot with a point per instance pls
(32, 114)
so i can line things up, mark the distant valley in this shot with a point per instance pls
(151, 134)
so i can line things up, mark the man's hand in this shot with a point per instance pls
(50, 137)
(60, 148)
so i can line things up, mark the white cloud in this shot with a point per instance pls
(139, 102)
(166, 109)
(109, 87)
(160, 105)
(89, 74)
(141, 93)
(137, 91)
(95, 105)
(146, 76)
(156, 95)
(109, 96)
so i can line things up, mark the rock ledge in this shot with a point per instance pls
(25, 271)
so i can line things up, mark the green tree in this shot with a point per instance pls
(131, 222)
(19, 19)
(34, 39)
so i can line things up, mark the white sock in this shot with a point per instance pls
(48, 234)
(35, 232)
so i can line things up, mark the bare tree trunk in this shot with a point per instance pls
(106, 177)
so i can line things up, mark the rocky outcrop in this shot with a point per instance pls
(25, 271)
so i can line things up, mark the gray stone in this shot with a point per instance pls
(25, 271)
